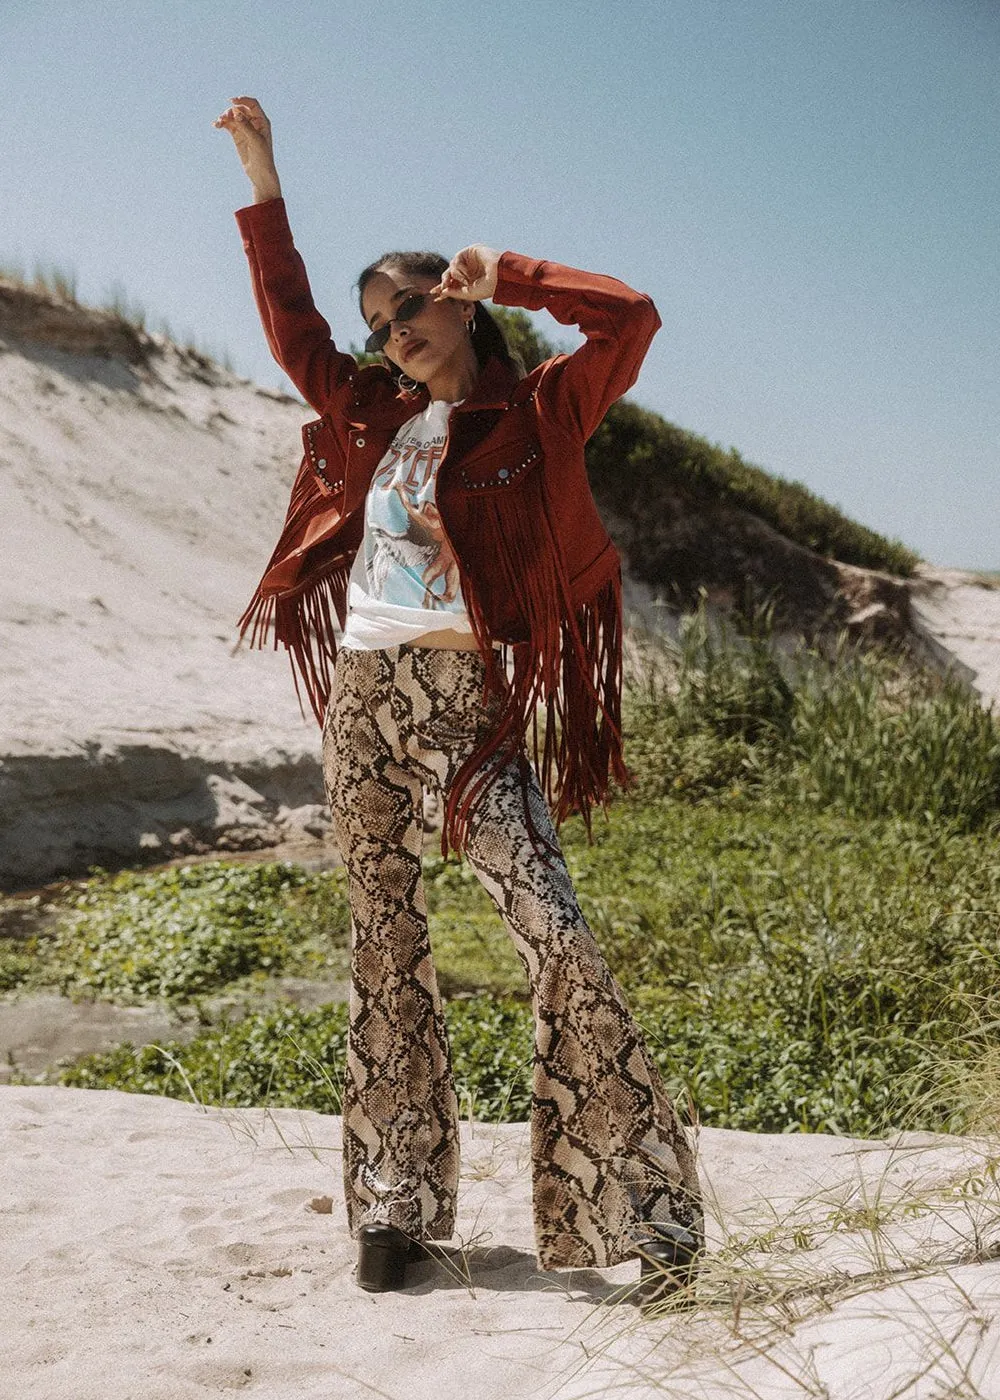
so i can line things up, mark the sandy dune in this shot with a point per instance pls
(144, 488)
(141, 501)
(140, 504)
(959, 614)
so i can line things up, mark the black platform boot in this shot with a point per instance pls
(383, 1253)
(669, 1256)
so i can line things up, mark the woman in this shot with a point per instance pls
(442, 512)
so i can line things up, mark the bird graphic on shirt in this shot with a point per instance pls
(421, 548)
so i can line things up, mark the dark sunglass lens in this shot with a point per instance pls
(409, 308)
(377, 341)
(406, 310)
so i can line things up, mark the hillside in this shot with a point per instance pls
(144, 487)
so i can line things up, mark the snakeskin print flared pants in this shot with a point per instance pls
(608, 1151)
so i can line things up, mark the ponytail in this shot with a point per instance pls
(488, 340)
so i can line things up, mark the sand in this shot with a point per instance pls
(959, 614)
(157, 1250)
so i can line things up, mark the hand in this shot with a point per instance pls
(251, 132)
(470, 276)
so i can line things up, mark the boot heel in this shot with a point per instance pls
(668, 1263)
(382, 1254)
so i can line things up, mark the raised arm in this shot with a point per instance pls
(618, 323)
(298, 336)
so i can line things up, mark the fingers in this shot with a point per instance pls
(232, 119)
(252, 105)
(449, 288)
(459, 278)
(470, 276)
(249, 116)
(455, 281)
(244, 112)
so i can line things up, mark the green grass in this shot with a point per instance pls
(801, 901)
(179, 933)
(723, 713)
(293, 1056)
(637, 456)
(789, 974)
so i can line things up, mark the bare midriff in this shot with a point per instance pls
(446, 637)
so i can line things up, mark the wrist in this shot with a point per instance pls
(265, 189)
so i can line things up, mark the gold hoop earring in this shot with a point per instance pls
(472, 324)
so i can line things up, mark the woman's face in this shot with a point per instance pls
(436, 338)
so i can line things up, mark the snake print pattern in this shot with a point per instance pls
(608, 1151)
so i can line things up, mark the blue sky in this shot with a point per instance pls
(808, 190)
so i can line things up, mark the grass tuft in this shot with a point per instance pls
(61, 282)
(179, 933)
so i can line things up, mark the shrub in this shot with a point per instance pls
(635, 455)
(859, 732)
(872, 747)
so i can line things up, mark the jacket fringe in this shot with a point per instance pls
(300, 618)
(302, 622)
(570, 666)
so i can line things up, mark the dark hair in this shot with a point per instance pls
(488, 339)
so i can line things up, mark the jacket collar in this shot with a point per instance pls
(386, 409)
(493, 388)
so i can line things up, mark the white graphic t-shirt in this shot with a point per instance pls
(404, 580)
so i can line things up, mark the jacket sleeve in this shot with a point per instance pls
(618, 324)
(298, 336)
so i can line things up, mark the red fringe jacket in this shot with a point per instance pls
(538, 570)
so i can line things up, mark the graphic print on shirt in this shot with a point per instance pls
(407, 559)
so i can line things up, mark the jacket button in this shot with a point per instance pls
(503, 473)
(321, 463)
(359, 442)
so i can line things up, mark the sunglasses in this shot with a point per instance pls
(405, 311)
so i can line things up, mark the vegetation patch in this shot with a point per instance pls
(181, 932)
(800, 900)
(636, 455)
(294, 1057)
